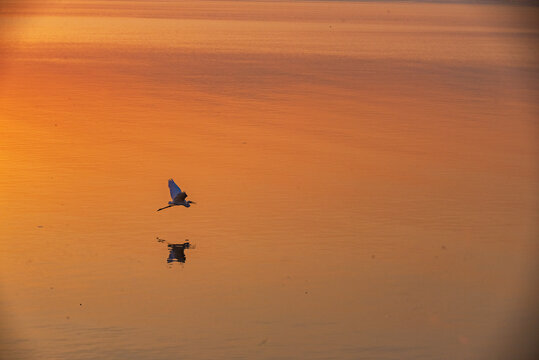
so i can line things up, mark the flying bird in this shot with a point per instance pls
(178, 196)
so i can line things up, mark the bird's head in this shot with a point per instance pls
(189, 202)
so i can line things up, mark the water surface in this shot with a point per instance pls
(365, 175)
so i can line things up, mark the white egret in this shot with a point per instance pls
(178, 196)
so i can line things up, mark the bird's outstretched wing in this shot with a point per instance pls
(174, 189)
(180, 197)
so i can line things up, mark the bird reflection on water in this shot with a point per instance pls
(176, 251)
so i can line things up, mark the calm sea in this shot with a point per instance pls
(366, 180)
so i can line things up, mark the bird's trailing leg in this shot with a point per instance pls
(164, 207)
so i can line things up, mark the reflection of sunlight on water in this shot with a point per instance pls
(344, 200)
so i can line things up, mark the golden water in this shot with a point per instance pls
(366, 179)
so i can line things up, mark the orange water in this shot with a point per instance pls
(366, 179)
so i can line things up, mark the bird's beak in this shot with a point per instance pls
(192, 202)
